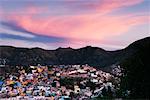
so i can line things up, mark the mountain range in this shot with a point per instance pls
(93, 56)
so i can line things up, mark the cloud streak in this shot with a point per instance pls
(17, 33)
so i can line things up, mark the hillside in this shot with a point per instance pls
(136, 70)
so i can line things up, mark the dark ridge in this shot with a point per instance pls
(87, 55)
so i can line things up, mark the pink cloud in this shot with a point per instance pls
(94, 27)
(114, 4)
(106, 6)
(33, 10)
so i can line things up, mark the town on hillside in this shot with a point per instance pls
(57, 82)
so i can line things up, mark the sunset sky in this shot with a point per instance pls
(49, 24)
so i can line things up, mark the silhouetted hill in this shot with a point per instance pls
(33, 56)
(88, 55)
(136, 70)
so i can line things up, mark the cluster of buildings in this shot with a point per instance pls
(57, 82)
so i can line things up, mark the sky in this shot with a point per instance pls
(49, 24)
